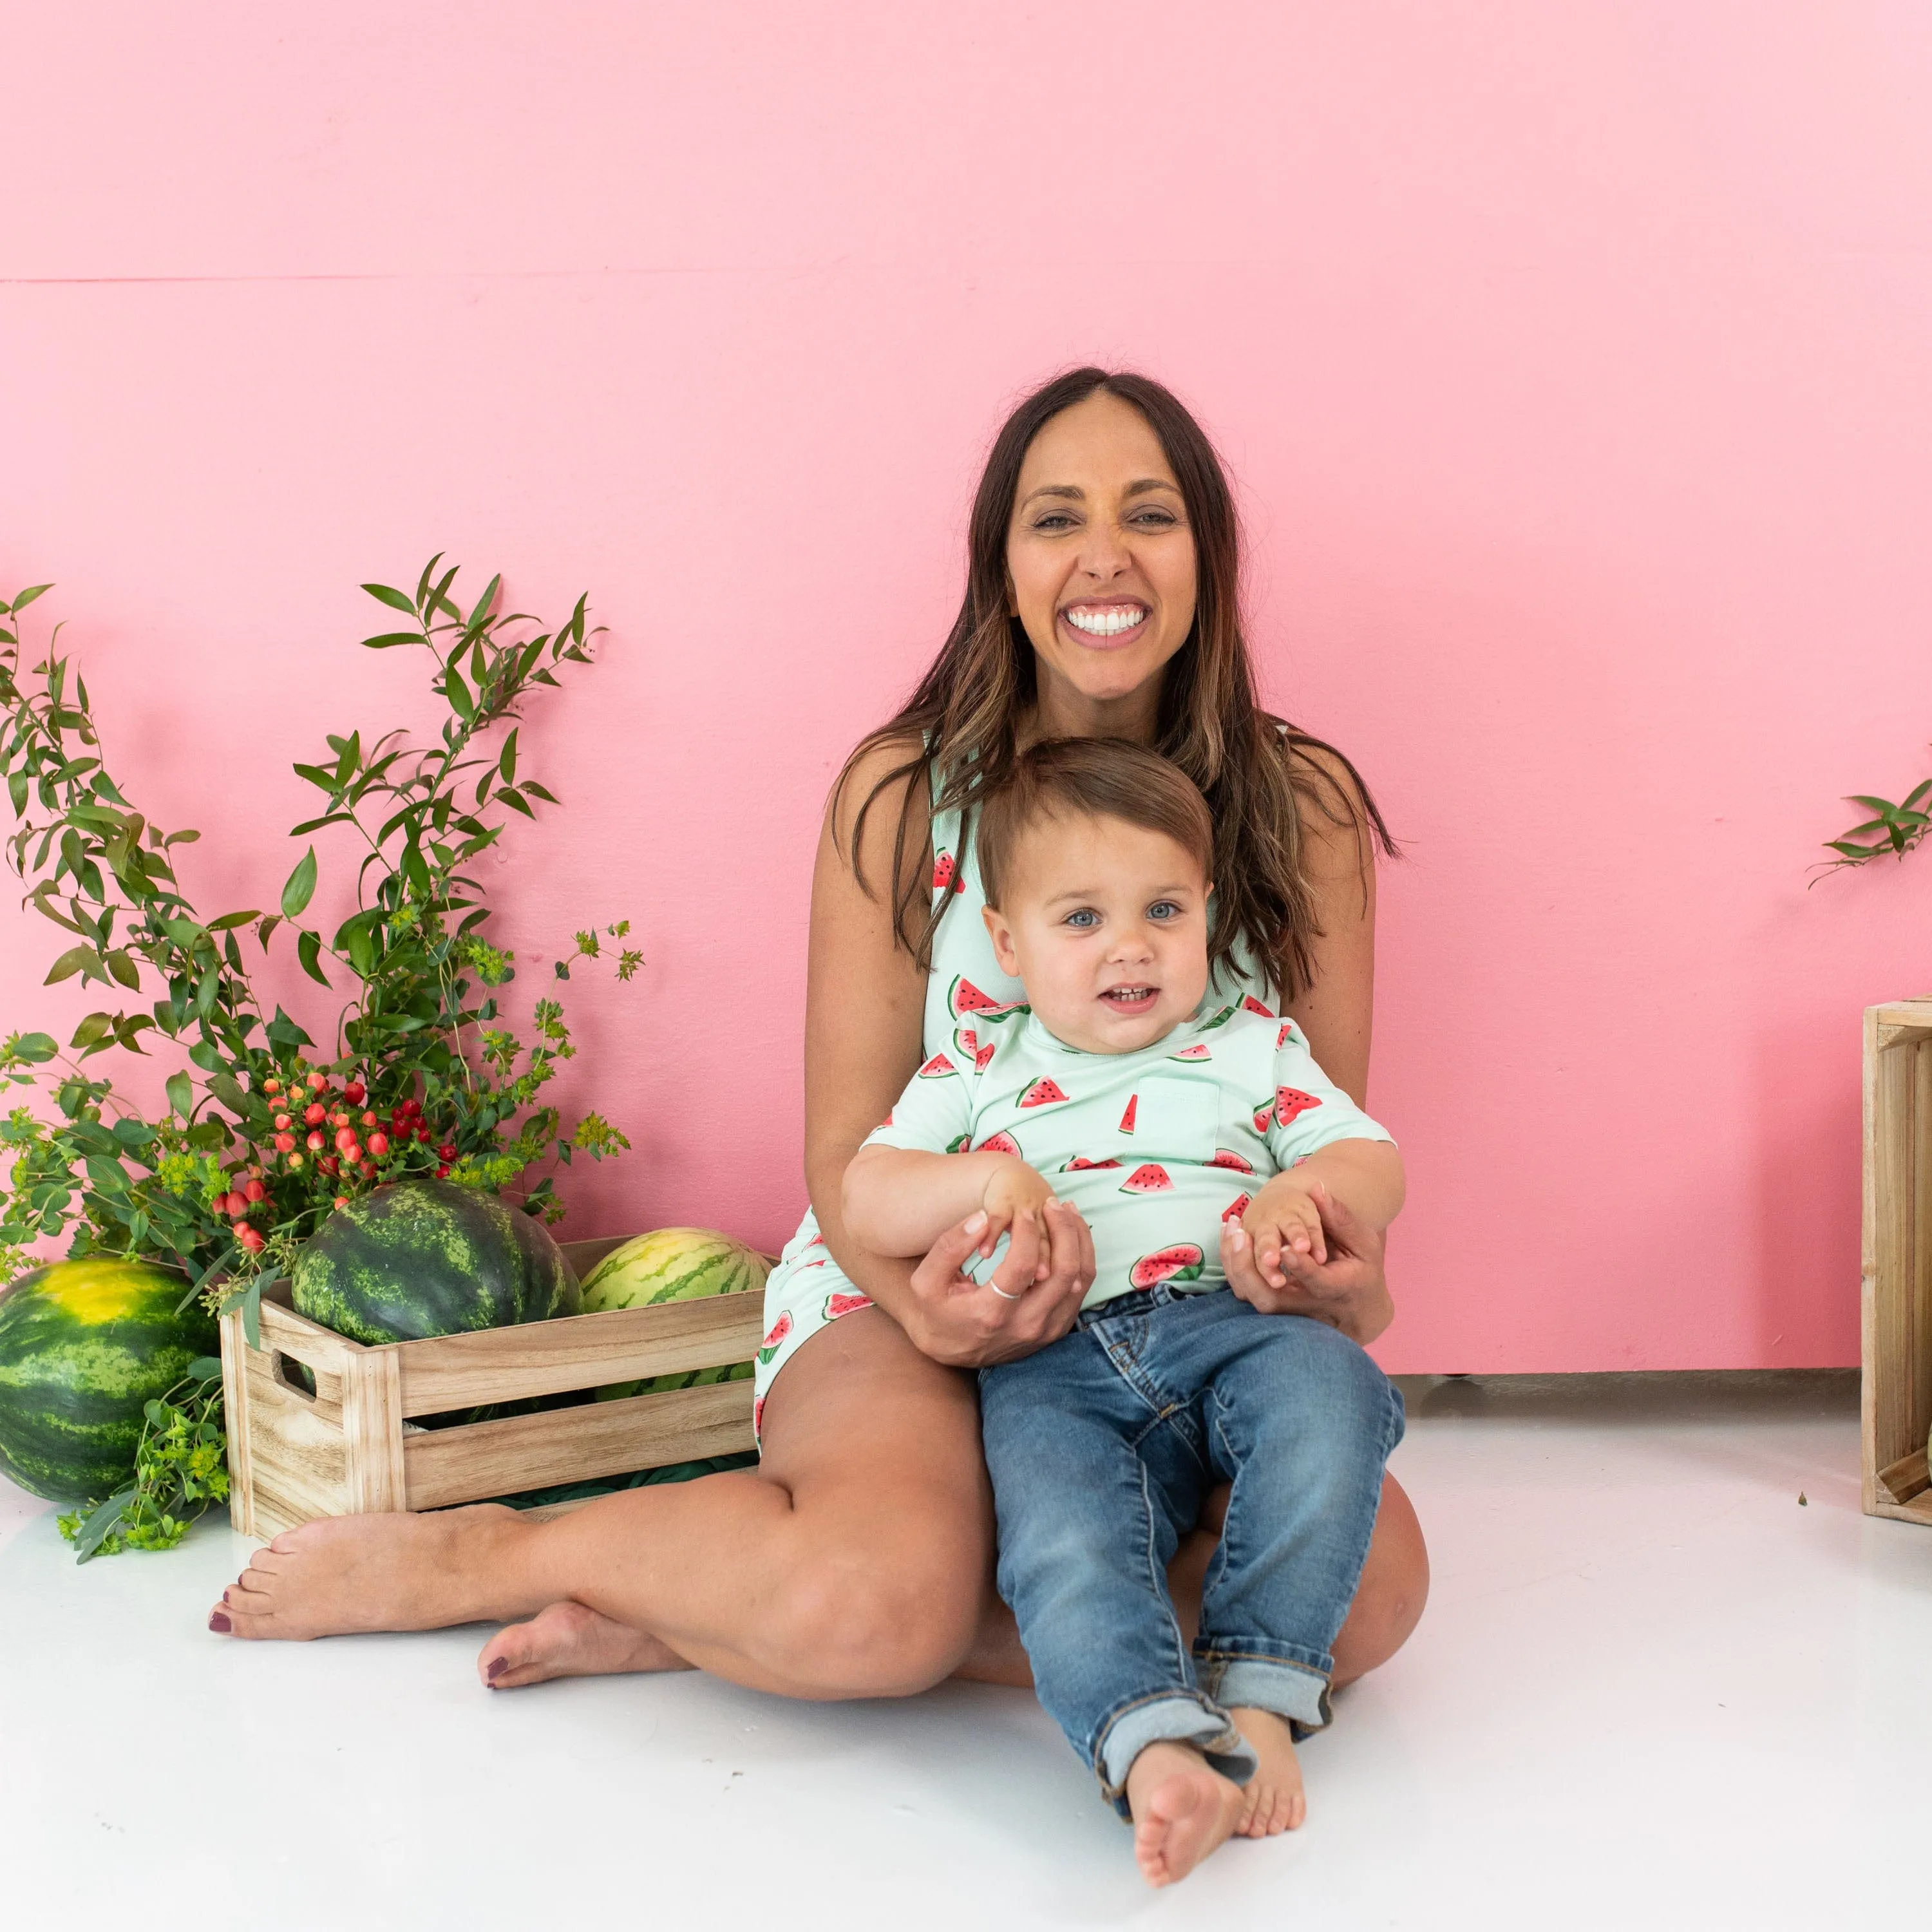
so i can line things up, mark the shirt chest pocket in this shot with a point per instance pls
(1175, 1119)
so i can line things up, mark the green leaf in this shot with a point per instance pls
(457, 692)
(536, 790)
(300, 887)
(180, 1090)
(122, 966)
(101, 1524)
(76, 959)
(36, 1047)
(308, 949)
(484, 602)
(92, 1029)
(395, 599)
(229, 919)
(205, 1369)
(27, 596)
(283, 1031)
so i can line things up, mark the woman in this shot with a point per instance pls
(856, 1560)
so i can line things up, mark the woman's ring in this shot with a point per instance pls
(1001, 1292)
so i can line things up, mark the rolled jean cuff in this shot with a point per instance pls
(1177, 1716)
(1250, 1679)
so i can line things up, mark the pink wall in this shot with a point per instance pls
(1572, 361)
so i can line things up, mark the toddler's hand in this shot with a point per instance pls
(1015, 1192)
(1282, 1221)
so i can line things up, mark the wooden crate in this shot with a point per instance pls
(348, 1448)
(1897, 1258)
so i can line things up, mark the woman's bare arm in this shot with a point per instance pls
(1337, 1011)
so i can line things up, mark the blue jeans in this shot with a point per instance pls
(1103, 1448)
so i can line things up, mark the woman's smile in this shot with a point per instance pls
(1106, 624)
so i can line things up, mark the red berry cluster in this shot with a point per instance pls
(343, 1138)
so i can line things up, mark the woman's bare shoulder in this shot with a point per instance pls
(868, 802)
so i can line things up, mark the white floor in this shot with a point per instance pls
(1652, 1691)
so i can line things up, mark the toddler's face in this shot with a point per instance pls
(1106, 925)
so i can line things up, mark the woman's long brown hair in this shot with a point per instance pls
(1256, 770)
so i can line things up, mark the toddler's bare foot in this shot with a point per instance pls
(1272, 1800)
(1182, 1810)
(393, 1572)
(570, 1639)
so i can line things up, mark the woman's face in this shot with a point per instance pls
(1099, 557)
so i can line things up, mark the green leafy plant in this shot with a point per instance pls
(264, 1133)
(1891, 832)
(180, 1472)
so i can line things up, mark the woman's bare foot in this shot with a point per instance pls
(1182, 1810)
(1272, 1800)
(569, 1640)
(395, 1572)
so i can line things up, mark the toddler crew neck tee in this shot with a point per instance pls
(1156, 1148)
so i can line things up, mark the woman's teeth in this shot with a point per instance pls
(1104, 623)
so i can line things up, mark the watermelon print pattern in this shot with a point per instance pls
(945, 872)
(959, 1143)
(1290, 1102)
(1181, 1262)
(1000, 1144)
(964, 998)
(1286, 1034)
(1238, 1207)
(836, 1305)
(937, 1068)
(1264, 1114)
(1252, 1005)
(1220, 1019)
(980, 1052)
(1081, 1164)
(1232, 1162)
(1198, 1050)
(758, 1419)
(1126, 1125)
(1153, 1178)
(1042, 1093)
(774, 1341)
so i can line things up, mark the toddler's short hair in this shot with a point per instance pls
(1089, 778)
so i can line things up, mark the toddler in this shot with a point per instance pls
(1163, 1111)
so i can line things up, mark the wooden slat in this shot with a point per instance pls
(235, 1421)
(1908, 1478)
(606, 1439)
(309, 1342)
(372, 1432)
(296, 1461)
(451, 1372)
(1915, 1011)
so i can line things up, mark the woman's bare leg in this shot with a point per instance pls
(1387, 1606)
(853, 1562)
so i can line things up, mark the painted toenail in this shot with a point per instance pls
(498, 1665)
(219, 1623)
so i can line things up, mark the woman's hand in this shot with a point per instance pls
(954, 1320)
(1348, 1290)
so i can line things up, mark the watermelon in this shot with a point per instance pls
(1264, 1114)
(1151, 1179)
(1126, 1125)
(1238, 1207)
(1286, 1034)
(1252, 1005)
(1181, 1262)
(1042, 1093)
(1220, 1019)
(979, 1051)
(774, 1341)
(998, 1144)
(429, 1257)
(964, 998)
(1198, 1050)
(1226, 1157)
(1080, 1163)
(674, 1265)
(1288, 1101)
(836, 1305)
(85, 1345)
(937, 1068)
(943, 871)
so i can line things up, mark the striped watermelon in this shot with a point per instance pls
(674, 1265)
(85, 1345)
(429, 1257)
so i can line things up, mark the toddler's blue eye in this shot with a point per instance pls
(1085, 918)
(1164, 909)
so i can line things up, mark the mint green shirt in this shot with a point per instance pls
(1156, 1148)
